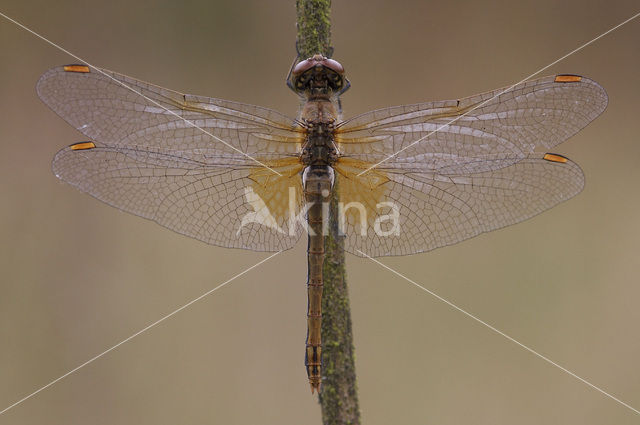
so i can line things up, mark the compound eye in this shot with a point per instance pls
(303, 66)
(333, 65)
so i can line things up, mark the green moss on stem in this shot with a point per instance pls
(338, 396)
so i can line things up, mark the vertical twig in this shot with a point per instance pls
(314, 27)
(338, 396)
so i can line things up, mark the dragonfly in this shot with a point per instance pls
(409, 178)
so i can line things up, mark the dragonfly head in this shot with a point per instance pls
(318, 77)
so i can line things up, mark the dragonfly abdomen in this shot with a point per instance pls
(318, 181)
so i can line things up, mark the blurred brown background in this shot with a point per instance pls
(78, 276)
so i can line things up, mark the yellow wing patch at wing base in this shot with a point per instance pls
(360, 194)
(275, 190)
(283, 195)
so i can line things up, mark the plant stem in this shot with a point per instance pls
(338, 396)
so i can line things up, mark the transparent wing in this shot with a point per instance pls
(117, 110)
(144, 158)
(435, 210)
(240, 207)
(535, 115)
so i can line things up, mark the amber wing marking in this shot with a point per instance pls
(568, 78)
(82, 146)
(366, 191)
(76, 68)
(281, 194)
(554, 157)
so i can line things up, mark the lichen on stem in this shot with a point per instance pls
(338, 396)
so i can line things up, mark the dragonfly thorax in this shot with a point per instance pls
(319, 148)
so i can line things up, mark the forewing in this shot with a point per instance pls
(532, 116)
(117, 110)
(242, 207)
(436, 210)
